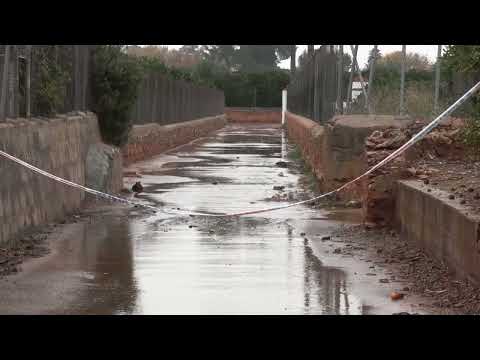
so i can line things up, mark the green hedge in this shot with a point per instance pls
(253, 89)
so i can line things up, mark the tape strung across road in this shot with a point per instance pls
(390, 157)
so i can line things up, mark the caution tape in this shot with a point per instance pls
(390, 157)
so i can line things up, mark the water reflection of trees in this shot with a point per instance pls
(107, 254)
(326, 286)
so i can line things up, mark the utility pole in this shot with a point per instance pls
(437, 79)
(402, 80)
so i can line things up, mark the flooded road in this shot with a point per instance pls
(130, 262)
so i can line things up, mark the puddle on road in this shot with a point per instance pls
(247, 265)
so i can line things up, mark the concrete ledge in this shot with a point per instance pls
(336, 151)
(254, 115)
(440, 226)
(148, 140)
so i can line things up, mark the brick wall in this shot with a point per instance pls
(246, 115)
(151, 139)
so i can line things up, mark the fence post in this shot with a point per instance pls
(361, 81)
(85, 75)
(14, 101)
(284, 105)
(437, 79)
(76, 78)
(402, 80)
(315, 88)
(350, 80)
(5, 77)
(28, 81)
(373, 60)
(340, 81)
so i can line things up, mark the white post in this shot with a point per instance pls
(284, 105)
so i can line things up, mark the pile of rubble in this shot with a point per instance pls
(442, 142)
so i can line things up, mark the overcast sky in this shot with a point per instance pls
(429, 51)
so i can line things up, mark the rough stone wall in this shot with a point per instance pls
(336, 151)
(309, 136)
(151, 139)
(253, 116)
(439, 226)
(104, 168)
(58, 146)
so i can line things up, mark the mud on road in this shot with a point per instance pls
(117, 260)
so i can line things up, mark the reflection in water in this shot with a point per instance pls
(107, 256)
(147, 264)
(329, 285)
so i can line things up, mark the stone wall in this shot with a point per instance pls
(257, 115)
(441, 227)
(336, 150)
(59, 146)
(151, 139)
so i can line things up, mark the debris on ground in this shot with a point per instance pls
(31, 246)
(420, 273)
(396, 296)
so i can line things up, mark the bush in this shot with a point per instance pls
(465, 59)
(385, 100)
(48, 96)
(253, 89)
(471, 136)
(115, 80)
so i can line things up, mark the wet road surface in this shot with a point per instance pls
(129, 262)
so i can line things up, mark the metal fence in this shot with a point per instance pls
(313, 91)
(324, 86)
(165, 101)
(160, 99)
(20, 77)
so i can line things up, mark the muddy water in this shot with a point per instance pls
(159, 264)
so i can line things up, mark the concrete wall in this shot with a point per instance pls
(442, 227)
(257, 115)
(336, 150)
(151, 139)
(59, 146)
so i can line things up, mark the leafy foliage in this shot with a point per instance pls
(471, 136)
(50, 91)
(253, 89)
(465, 59)
(462, 57)
(115, 80)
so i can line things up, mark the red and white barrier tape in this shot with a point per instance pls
(390, 157)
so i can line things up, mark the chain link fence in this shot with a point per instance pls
(313, 90)
(326, 85)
